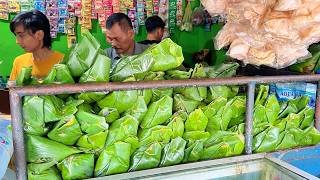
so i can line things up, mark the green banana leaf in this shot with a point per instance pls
(52, 108)
(114, 159)
(267, 140)
(223, 70)
(216, 122)
(121, 100)
(59, 74)
(237, 121)
(134, 142)
(272, 108)
(196, 121)
(238, 128)
(33, 116)
(193, 136)
(268, 113)
(91, 123)
(70, 98)
(81, 58)
(159, 75)
(158, 112)
(311, 136)
(71, 107)
(177, 126)
(262, 95)
(293, 121)
(301, 102)
(294, 106)
(236, 111)
(136, 65)
(227, 92)
(177, 74)
(198, 72)
(179, 114)
(212, 109)
(307, 117)
(224, 145)
(78, 166)
(182, 103)
(121, 129)
(258, 128)
(146, 157)
(168, 50)
(194, 93)
(38, 168)
(259, 114)
(283, 124)
(173, 153)
(99, 71)
(93, 142)
(111, 114)
(260, 120)
(85, 107)
(92, 96)
(287, 139)
(55, 108)
(146, 94)
(96, 109)
(41, 150)
(24, 77)
(232, 112)
(157, 94)
(193, 152)
(49, 174)
(161, 134)
(138, 110)
(216, 137)
(66, 131)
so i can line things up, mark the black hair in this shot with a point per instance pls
(33, 21)
(122, 19)
(154, 22)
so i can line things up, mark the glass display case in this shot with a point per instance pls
(249, 167)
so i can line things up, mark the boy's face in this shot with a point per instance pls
(29, 41)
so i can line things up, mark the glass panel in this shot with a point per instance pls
(253, 170)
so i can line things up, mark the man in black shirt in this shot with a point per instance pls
(155, 29)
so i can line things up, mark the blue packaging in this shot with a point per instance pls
(286, 91)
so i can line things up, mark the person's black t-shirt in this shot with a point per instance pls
(149, 42)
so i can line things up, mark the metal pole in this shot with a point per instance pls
(115, 86)
(317, 113)
(18, 137)
(249, 117)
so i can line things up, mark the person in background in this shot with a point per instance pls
(32, 31)
(120, 36)
(155, 29)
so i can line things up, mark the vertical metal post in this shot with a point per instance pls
(249, 117)
(17, 133)
(317, 113)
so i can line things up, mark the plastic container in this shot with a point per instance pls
(6, 146)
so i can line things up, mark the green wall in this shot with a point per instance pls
(191, 42)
